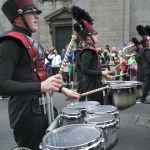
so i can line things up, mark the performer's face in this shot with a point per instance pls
(32, 20)
(95, 38)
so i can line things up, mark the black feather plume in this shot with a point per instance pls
(147, 30)
(140, 30)
(80, 14)
(76, 27)
(135, 41)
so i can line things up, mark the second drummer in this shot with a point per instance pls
(90, 62)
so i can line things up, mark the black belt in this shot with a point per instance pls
(87, 77)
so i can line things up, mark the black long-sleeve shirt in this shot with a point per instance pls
(89, 64)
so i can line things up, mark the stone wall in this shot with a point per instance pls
(115, 20)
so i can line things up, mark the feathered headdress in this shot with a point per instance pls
(141, 32)
(84, 20)
(77, 28)
(147, 30)
(136, 42)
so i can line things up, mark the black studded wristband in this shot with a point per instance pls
(60, 89)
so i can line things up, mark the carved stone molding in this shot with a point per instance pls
(59, 18)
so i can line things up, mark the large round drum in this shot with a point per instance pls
(104, 109)
(82, 106)
(74, 137)
(69, 116)
(107, 123)
(122, 96)
(138, 88)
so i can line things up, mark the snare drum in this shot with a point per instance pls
(82, 106)
(69, 116)
(104, 109)
(122, 96)
(107, 123)
(74, 137)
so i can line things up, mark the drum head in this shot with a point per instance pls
(134, 82)
(121, 86)
(70, 111)
(72, 136)
(112, 82)
(101, 120)
(82, 105)
(101, 109)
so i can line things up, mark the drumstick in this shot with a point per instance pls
(118, 75)
(93, 91)
(115, 66)
(65, 58)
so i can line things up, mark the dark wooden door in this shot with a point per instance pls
(63, 37)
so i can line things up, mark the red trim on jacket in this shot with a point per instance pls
(36, 62)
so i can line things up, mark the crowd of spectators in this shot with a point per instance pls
(109, 58)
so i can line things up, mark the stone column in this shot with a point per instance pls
(140, 15)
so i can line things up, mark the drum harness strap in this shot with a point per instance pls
(38, 71)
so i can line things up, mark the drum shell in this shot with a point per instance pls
(69, 116)
(109, 129)
(139, 91)
(66, 121)
(104, 109)
(138, 88)
(123, 97)
(52, 142)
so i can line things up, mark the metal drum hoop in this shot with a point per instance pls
(77, 113)
(114, 111)
(98, 142)
(105, 124)
(82, 105)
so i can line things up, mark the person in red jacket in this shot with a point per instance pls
(122, 68)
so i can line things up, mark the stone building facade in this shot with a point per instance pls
(115, 20)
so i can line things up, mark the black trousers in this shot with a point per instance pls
(30, 135)
(92, 84)
(146, 85)
(80, 89)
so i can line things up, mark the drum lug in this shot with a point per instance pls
(41, 146)
(130, 91)
(117, 124)
(60, 122)
(106, 134)
(118, 92)
(102, 143)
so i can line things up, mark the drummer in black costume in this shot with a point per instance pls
(23, 76)
(79, 45)
(145, 59)
(140, 72)
(90, 62)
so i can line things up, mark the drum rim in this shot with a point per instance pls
(95, 103)
(63, 114)
(100, 137)
(105, 124)
(123, 86)
(114, 111)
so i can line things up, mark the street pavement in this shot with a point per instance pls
(134, 133)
